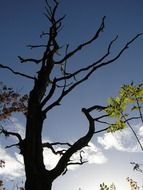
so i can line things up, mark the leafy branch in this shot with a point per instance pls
(127, 103)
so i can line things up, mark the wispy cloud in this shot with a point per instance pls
(91, 153)
(141, 131)
(122, 140)
(16, 126)
(14, 164)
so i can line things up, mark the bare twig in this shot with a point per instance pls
(88, 74)
(50, 94)
(132, 118)
(8, 133)
(80, 162)
(23, 60)
(9, 146)
(140, 112)
(84, 69)
(70, 54)
(96, 107)
(127, 121)
(36, 46)
(15, 72)
(102, 130)
(126, 46)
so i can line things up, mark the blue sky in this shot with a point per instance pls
(21, 24)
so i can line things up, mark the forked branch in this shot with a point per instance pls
(70, 54)
(50, 146)
(9, 133)
(17, 135)
(88, 71)
(78, 145)
(71, 162)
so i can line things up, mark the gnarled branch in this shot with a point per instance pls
(78, 145)
(80, 162)
(50, 146)
(8, 133)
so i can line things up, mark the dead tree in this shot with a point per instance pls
(46, 85)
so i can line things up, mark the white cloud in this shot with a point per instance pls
(122, 140)
(15, 126)
(50, 159)
(110, 141)
(93, 154)
(141, 131)
(13, 165)
(90, 153)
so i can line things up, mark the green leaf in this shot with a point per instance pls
(119, 125)
(134, 108)
(110, 100)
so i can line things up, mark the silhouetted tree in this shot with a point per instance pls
(47, 92)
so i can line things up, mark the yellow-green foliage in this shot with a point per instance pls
(129, 99)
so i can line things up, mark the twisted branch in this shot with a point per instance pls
(78, 145)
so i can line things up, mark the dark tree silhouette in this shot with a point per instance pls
(48, 91)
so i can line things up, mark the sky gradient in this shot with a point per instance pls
(21, 24)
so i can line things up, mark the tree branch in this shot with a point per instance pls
(132, 118)
(50, 146)
(139, 107)
(60, 143)
(74, 74)
(81, 162)
(99, 63)
(78, 145)
(96, 107)
(126, 46)
(36, 46)
(139, 142)
(50, 94)
(101, 130)
(70, 54)
(8, 133)
(92, 68)
(9, 146)
(23, 60)
(15, 72)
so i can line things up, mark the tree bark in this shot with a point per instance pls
(36, 174)
(38, 182)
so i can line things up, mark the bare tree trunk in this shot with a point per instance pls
(36, 174)
(38, 183)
